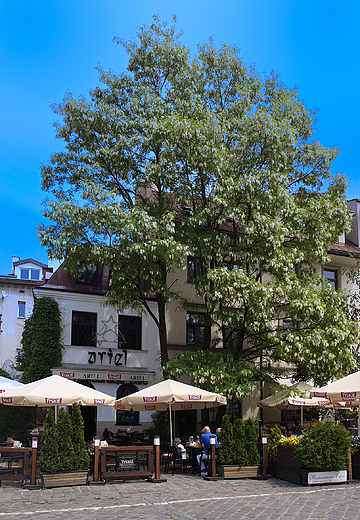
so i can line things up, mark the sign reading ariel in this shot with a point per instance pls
(104, 357)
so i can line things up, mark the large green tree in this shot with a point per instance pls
(262, 206)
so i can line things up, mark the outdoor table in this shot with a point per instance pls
(193, 452)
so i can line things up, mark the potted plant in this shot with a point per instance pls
(273, 438)
(287, 464)
(238, 455)
(355, 457)
(64, 460)
(320, 456)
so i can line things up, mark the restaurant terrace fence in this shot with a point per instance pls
(14, 464)
(126, 463)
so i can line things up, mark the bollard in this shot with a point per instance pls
(213, 456)
(264, 455)
(34, 445)
(96, 458)
(157, 456)
(157, 478)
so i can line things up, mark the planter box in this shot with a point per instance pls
(287, 465)
(236, 471)
(271, 468)
(355, 460)
(311, 478)
(66, 478)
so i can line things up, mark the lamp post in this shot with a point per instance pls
(34, 445)
(96, 458)
(157, 478)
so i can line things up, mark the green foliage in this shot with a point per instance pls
(225, 453)
(3, 373)
(324, 447)
(65, 440)
(273, 438)
(50, 454)
(63, 443)
(263, 207)
(238, 442)
(81, 456)
(251, 441)
(15, 422)
(160, 425)
(41, 341)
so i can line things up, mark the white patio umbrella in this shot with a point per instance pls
(346, 389)
(55, 391)
(170, 395)
(294, 397)
(8, 384)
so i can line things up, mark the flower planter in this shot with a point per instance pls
(311, 478)
(287, 465)
(65, 478)
(355, 461)
(271, 468)
(235, 471)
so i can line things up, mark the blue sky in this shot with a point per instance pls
(50, 47)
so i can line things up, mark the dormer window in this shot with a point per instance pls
(89, 276)
(29, 274)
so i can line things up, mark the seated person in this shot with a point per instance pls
(205, 442)
(180, 449)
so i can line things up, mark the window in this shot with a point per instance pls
(194, 271)
(331, 276)
(89, 276)
(21, 309)
(129, 332)
(83, 331)
(30, 274)
(195, 329)
(123, 416)
(287, 324)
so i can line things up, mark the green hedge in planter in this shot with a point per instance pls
(63, 444)
(238, 443)
(324, 447)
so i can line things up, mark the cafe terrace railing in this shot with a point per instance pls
(126, 463)
(14, 464)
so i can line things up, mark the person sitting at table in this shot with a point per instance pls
(180, 449)
(205, 443)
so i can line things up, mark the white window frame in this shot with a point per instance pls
(21, 306)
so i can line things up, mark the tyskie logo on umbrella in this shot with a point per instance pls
(150, 407)
(99, 401)
(320, 394)
(186, 406)
(151, 399)
(194, 397)
(6, 400)
(51, 400)
(348, 395)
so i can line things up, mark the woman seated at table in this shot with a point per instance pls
(180, 448)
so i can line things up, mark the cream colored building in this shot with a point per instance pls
(16, 303)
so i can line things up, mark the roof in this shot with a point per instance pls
(29, 261)
(347, 249)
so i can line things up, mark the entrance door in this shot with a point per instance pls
(89, 414)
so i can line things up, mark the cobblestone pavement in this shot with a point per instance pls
(184, 497)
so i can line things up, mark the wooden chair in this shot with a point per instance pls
(175, 458)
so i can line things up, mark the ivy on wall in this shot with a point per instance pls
(41, 341)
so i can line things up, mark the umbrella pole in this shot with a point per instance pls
(171, 432)
(302, 415)
(56, 413)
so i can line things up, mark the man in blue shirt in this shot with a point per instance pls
(205, 442)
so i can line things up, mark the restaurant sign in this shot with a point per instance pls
(103, 375)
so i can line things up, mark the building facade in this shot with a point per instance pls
(16, 303)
